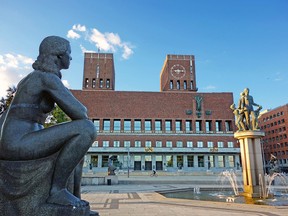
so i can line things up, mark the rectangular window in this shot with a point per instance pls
(96, 124)
(127, 125)
(199, 144)
(228, 125)
(171, 84)
(101, 83)
(158, 144)
(137, 125)
(93, 83)
(208, 125)
(220, 144)
(169, 144)
(230, 145)
(117, 125)
(108, 83)
(148, 144)
(231, 161)
(220, 161)
(179, 144)
(105, 144)
(169, 160)
(211, 160)
(185, 84)
(210, 144)
(158, 125)
(86, 82)
(178, 84)
(94, 160)
(218, 126)
(105, 159)
(188, 125)
(190, 160)
(137, 144)
(168, 125)
(148, 126)
(127, 144)
(198, 125)
(116, 144)
(189, 144)
(200, 161)
(178, 125)
(106, 125)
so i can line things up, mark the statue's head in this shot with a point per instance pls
(246, 91)
(51, 51)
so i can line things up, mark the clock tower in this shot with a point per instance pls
(178, 73)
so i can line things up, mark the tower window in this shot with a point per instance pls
(93, 83)
(185, 84)
(191, 85)
(108, 83)
(178, 84)
(101, 83)
(86, 82)
(171, 84)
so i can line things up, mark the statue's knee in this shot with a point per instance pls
(89, 128)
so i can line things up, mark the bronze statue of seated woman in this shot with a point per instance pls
(24, 139)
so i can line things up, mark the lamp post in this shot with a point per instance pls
(280, 157)
(128, 162)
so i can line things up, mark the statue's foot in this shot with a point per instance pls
(64, 197)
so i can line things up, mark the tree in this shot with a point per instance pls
(56, 116)
(5, 102)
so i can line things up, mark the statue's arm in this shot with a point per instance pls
(63, 97)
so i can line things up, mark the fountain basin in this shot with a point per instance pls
(225, 195)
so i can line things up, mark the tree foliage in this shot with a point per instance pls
(5, 102)
(56, 116)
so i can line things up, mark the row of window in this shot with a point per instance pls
(94, 83)
(273, 116)
(167, 144)
(169, 160)
(275, 131)
(273, 124)
(276, 138)
(178, 84)
(148, 125)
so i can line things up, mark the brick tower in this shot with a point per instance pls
(99, 72)
(178, 73)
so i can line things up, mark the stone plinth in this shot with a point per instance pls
(25, 187)
(252, 162)
(113, 179)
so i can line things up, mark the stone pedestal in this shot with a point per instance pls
(252, 162)
(111, 180)
(25, 187)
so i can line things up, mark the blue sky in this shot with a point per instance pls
(236, 44)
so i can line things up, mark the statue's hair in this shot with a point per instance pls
(49, 50)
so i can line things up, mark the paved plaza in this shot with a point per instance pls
(137, 195)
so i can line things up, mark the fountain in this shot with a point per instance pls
(257, 187)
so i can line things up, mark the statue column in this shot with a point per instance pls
(252, 163)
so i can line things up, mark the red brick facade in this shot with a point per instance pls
(275, 123)
(195, 128)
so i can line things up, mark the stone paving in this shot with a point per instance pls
(141, 199)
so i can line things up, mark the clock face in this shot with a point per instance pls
(178, 71)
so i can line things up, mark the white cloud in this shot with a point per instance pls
(12, 69)
(79, 28)
(65, 83)
(210, 87)
(107, 41)
(72, 34)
